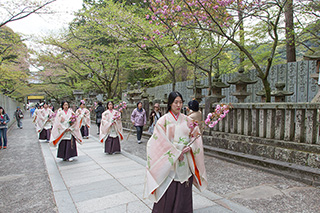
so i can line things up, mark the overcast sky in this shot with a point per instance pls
(42, 25)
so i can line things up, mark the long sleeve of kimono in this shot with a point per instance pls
(61, 125)
(107, 122)
(160, 159)
(164, 147)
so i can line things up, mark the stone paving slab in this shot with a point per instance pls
(97, 182)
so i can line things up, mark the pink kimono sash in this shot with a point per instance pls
(61, 125)
(107, 121)
(164, 147)
(84, 116)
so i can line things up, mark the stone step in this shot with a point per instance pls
(308, 175)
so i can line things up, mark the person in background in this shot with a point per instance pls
(111, 130)
(4, 120)
(84, 115)
(99, 110)
(154, 117)
(139, 119)
(66, 132)
(175, 160)
(18, 116)
(194, 112)
(32, 110)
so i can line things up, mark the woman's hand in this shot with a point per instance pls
(62, 120)
(184, 150)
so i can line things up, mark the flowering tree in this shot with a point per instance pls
(263, 20)
(152, 46)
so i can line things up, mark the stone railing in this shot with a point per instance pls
(295, 122)
(284, 132)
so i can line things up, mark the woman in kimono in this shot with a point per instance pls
(44, 122)
(66, 132)
(84, 115)
(35, 115)
(175, 160)
(111, 130)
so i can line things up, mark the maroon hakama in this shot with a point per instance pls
(84, 131)
(112, 145)
(177, 198)
(67, 149)
(45, 134)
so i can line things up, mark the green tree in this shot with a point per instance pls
(14, 65)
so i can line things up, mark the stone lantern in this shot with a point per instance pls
(315, 76)
(197, 91)
(262, 94)
(280, 94)
(165, 98)
(134, 94)
(145, 100)
(216, 95)
(241, 80)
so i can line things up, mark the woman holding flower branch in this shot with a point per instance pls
(84, 116)
(66, 132)
(175, 160)
(44, 122)
(111, 128)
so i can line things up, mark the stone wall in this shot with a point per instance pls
(10, 107)
(296, 76)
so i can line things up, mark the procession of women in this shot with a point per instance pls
(175, 157)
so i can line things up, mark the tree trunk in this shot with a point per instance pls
(174, 80)
(267, 88)
(290, 39)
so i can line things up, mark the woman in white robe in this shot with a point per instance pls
(66, 132)
(175, 160)
(111, 130)
(84, 116)
(44, 122)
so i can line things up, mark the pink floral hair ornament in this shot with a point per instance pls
(83, 102)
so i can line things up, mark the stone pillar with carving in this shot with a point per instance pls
(315, 56)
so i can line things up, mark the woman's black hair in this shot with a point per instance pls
(100, 103)
(172, 97)
(3, 112)
(82, 103)
(63, 103)
(108, 104)
(138, 103)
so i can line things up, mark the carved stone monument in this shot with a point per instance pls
(315, 76)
